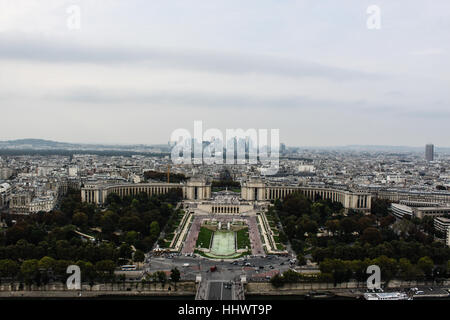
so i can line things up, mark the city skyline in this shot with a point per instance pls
(376, 146)
(136, 71)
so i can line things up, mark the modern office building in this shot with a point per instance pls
(5, 194)
(400, 210)
(397, 195)
(448, 236)
(6, 173)
(429, 152)
(431, 212)
(441, 224)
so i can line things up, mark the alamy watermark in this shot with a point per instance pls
(239, 147)
(74, 280)
(73, 21)
(374, 18)
(374, 280)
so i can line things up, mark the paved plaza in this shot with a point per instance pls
(255, 237)
(191, 239)
(224, 244)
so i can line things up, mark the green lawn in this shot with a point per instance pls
(167, 244)
(243, 240)
(204, 238)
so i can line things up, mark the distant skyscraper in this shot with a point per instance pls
(429, 152)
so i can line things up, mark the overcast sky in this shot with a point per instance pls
(137, 70)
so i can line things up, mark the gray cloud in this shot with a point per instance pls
(129, 76)
(394, 94)
(20, 48)
(189, 99)
(429, 114)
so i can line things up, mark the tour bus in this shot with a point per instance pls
(128, 267)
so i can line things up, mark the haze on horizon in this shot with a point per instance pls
(137, 70)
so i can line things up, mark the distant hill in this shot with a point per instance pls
(35, 143)
(40, 144)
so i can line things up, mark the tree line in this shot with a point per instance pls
(338, 271)
(424, 269)
(162, 176)
(123, 230)
(343, 243)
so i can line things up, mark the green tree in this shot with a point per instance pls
(109, 221)
(364, 223)
(8, 268)
(29, 270)
(154, 229)
(161, 277)
(60, 269)
(359, 268)
(348, 225)
(425, 264)
(309, 226)
(283, 238)
(380, 207)
(405, 268)
(80, 219)
(131, 237)
(277, 280)
(63, 250)
(341, 270)
(388, 266)
(301, 260)
(296, 204)
(130, 223)
(386, 221)
(427, 223)
(290, 276)
(175, 275)
(87, 270)
(125, 251)
(18, 231)
(47, 263)
(371, 235)
(105, 269)
(139, 256)
(332, 226)
(135, 203)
